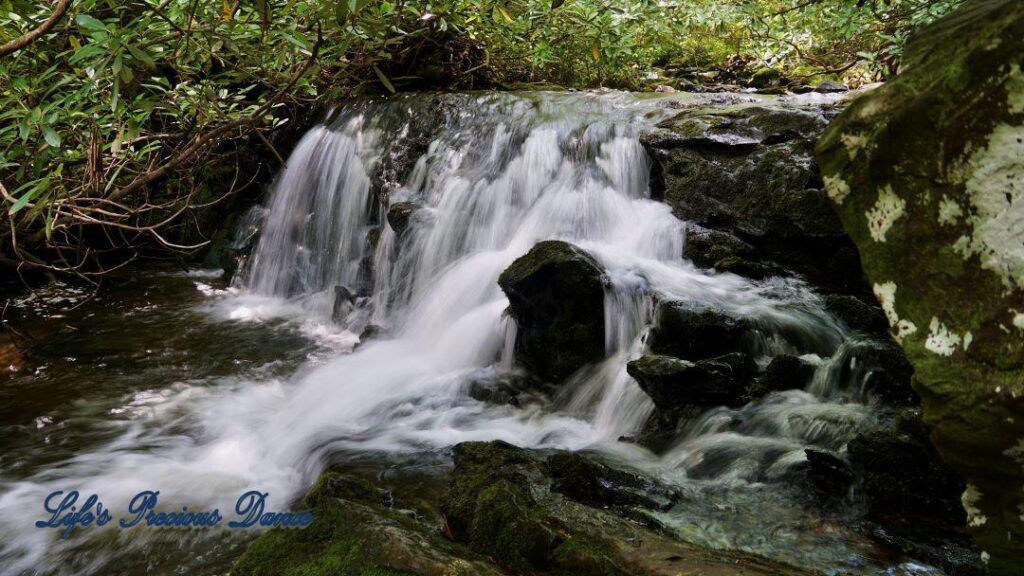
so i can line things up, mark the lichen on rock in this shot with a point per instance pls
(927, 175)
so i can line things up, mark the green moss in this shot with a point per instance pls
(334, 544)
(583, 555)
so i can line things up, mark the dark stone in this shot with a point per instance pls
(786, 372)
(766, 77)
(401, 214)
(556, 296)
(889, 373)
(867, 318)
(829, 474)
(671, 382)
(749, 171)
(901, 473)
(830, 87)
(596, 484)
(705, 247)
(690, 334)
(344, 303)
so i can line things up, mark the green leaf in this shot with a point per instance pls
(141, 55)
(23, 201)
(51, 136)
(89, 23)
(384, 79)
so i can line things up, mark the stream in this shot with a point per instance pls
(179, 382)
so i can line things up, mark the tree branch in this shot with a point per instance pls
(22, 41)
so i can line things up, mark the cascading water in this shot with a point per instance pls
(500, 173)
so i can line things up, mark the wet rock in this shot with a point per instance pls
(371, 332)
(785, 372)
(595, 484)
(513, 388)
(705, 247)
(671, 382)
(829, 474)
(855, 313)
(344, 303)
(683, 332)
(490, 507)
(891, 374)
(901, 473)
(401, 214)
(749, 171)
(556, 296)
(528, 515)
(926, 175)
(354, 531)
(830, 87)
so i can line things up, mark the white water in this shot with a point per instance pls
(504, 173)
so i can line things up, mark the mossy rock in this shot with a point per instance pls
(556, 296)
(927, 177)
(354, 534)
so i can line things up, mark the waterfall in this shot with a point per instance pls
(496, 174)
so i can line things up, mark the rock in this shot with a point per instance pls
(354, 531)
(401, 214)
(513, 388)
(705, 247)
(556, 297)
(671, 382)
(568, 514)
(344, 303)
(686, 333)
(785, 372)
(765, 77)
(926, 174)
(490, 507)
(890, 374)
(902, 474)
(867, 318)
(830, 87)
(749, 171)
(830, 475)
(595, 484)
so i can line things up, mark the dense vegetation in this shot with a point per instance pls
(121, 121)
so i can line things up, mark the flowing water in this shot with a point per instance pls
(255, 386)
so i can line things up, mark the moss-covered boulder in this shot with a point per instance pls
(748, 172)
(556, 296)
(354, 533)
(927, 173)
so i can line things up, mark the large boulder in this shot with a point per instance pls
(927, 173)
(556, 296)
(748, 172)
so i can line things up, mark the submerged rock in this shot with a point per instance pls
(556, 296)
(671, 382)
(927, 176)
(596, 484)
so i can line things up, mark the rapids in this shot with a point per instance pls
(498, 173)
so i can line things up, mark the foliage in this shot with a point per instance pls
(113, 120)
